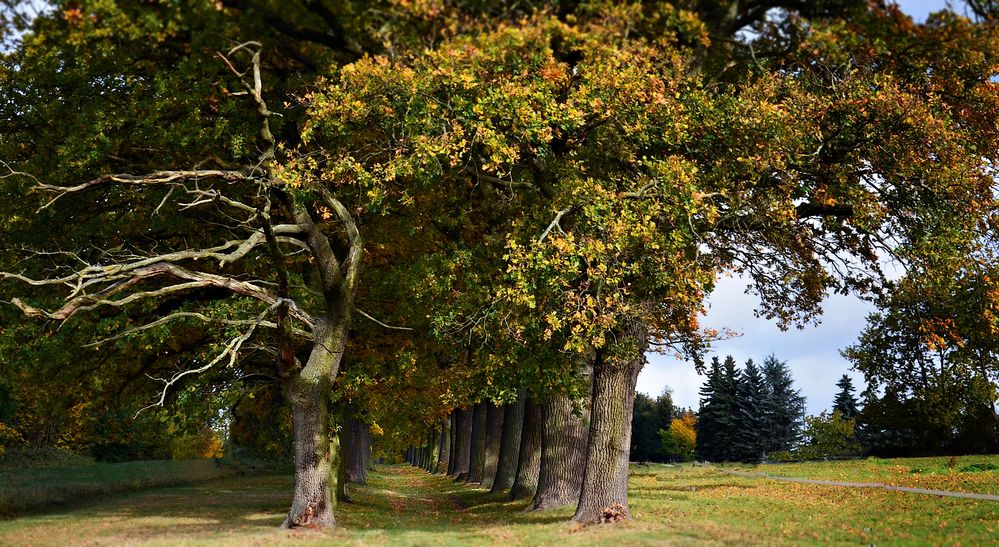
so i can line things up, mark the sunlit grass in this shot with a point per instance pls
(671, 505)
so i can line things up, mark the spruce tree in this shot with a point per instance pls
(709, 415)
(750, 431)
(785, 406)
(846, 401)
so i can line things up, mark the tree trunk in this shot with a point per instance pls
(464, 441)
(605, 480)
(308, 392)
(564, 437)
(369, 460)
(409, 455)
(529, 462)
(477, 459)
(494, 437)
(443, 454)
(356, 450)
(339, 463)
(452, 460)
(513, 422)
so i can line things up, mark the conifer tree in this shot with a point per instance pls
(751, 429)
(846, 401)
(785, 407)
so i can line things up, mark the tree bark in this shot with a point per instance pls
(356, 450)
(308, 392)
(477, 459)
(605, 479)
(443, 455)
(464, 443)
(453, 454)
(564, 437)
(529, 462)
(494, 437)
(339, 463)
(513, 422)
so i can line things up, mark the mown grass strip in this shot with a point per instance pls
(32, 490)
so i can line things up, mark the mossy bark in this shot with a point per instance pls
(605, 479)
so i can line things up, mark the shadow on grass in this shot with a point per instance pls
(397, 501)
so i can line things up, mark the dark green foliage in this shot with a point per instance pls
(845, 401)
(752, 421)
(716, 419)
(650, 416)
(745, 415)
(785, 407)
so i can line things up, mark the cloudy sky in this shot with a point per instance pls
(812, 354)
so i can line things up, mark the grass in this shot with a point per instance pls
(672, 505)
(44, 488)
(959, 474)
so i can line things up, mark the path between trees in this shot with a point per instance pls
(848, 484)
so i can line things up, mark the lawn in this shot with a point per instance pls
(672, 505)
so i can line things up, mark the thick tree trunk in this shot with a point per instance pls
(444, 453)
(464, 441)
(369, 460)
(529, 462)
(494, 437)
(564, 437)
(452, 461)
(477, 459)
(605, 480)
(513, 422)
(308, 392)
(356, 450)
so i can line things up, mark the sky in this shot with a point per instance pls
(812, 354)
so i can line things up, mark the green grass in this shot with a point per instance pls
(959, 474)
(406, 506)
(43, 488)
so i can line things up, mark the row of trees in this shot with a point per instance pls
(749, 413)
(451, 203)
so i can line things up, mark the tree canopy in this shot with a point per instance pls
(455, 201)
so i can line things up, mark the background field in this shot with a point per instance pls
(672, 505)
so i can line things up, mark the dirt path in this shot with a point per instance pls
(877, 485)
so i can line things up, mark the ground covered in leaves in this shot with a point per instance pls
(671, 505)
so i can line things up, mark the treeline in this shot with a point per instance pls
(399, 217)
(749, 413)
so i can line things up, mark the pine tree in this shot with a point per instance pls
(750, 432)
(785, 407)
(846, 401)
(717, 422)
(709, 414)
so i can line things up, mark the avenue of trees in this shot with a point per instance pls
(340, 229)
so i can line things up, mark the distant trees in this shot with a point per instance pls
(829, 435)
(747, 414)
(680, 440)
(651, 416)
(930, 356)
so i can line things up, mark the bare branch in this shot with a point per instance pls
(200, 317)
(231, 350)
(151, 179)
(360, 311)
(194, 280)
